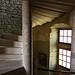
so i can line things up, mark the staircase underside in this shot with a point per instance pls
(19, 71)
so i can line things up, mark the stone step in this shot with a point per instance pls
(12, 37)
(17, 32)
(11, 57)
(9, 43)
(11, 50)
(18, 71)
(3, 71)
(9, 64)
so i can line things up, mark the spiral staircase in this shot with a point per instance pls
(11, 53)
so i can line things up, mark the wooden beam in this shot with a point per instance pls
(38, 19)
(34, 23)
(47, 9)
(54, 6)
(45, 12)
(57, 2)
(42, 17)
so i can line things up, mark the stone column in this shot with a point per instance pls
(26, 33)
(72, 23)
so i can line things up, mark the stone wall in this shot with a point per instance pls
(72, 22)
(10, 15)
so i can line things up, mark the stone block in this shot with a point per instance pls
(12, 37)
(9, 8)
(4, 57)
(18, 32)
(11, 50)
(8, 43)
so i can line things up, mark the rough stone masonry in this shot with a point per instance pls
(10, 15)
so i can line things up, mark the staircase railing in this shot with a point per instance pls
(57, 71)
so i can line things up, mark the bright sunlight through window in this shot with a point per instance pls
(64, 58)
(65, 36)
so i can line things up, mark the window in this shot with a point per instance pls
(64, 58)
(65, 36)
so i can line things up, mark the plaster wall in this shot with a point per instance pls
(41, 44)
(53, 49)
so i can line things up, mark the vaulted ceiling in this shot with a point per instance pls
(43, 11)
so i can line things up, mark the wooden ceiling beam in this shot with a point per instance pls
(38, 13)
(34, 23)
(43, 18)
(37, 23)
(38, 19)
(70, 3)
(54, 6)
(47, 9)
(44, 12)
(42, 15)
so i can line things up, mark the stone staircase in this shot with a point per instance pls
(11, 51)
